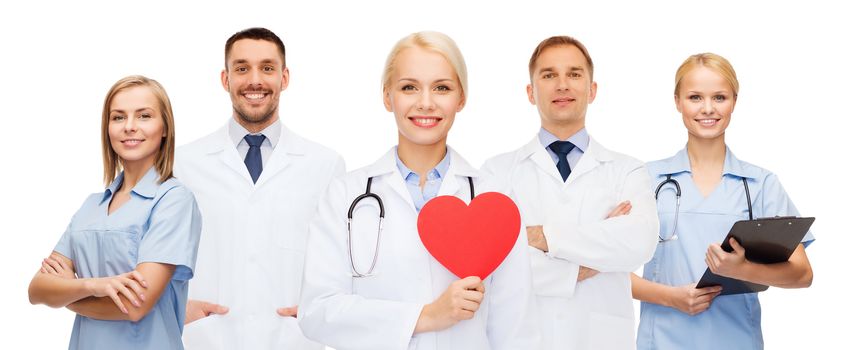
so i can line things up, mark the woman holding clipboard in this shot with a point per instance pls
(701, 192)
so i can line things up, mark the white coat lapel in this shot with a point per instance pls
(289, 148)
(593, 156)
(225, 151)
(386, 167)
(457, 175)
(541, 158)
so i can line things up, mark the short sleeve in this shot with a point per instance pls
(65, 245)
(173, 234)
(777, 203)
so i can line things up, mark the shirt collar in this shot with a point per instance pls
(146, 187)
(681, 163)
(580, 139)
(437, 173)
(272, 132)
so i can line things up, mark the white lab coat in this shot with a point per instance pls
(381, 311)
(254, 237)
(595, 313)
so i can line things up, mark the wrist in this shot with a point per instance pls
(424, 323)
(668, 295)
(88, 286)
(743, 272)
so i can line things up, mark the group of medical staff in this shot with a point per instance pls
(297, 253)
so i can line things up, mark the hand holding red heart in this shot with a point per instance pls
(459, 302)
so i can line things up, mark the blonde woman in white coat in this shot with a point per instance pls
(408, 300)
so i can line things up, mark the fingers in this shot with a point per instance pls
(696, 300)
(710, 262)
(627, 209)
(121, 286)
(701, 303)
(210, 308)
(113, 294)
(736, 246)
(48, 265)
(708, 290)
(136, 287)
(138, 277)
(585, 273)
(471, 295)
(199, 309)
(463, 315)
(622, 209)
(715, 249)
(471, 283)
(287, 311)
(62, 264)
(469, 305)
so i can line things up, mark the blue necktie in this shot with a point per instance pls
(562, 148)
(253, 160)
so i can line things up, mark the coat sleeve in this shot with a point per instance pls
(619, 244)
(330, 313)
(551, 276)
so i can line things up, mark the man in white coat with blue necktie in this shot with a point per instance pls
(590, 214)
(257, 185)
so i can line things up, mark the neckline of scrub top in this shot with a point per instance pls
(146, 187)
(681, 163)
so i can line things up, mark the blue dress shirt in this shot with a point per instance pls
(413, 180)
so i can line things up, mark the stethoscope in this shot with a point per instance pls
(678, 190)
(369, 194)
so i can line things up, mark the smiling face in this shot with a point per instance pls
(424, 93)
(255, 77)
(136, 128)
(561, 87)
(706, 101)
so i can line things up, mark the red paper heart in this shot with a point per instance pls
(470, 240)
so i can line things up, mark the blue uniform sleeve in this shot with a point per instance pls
(173, 234)
(65, 245)
(775, 202)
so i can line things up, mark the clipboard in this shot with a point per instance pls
(765, 241)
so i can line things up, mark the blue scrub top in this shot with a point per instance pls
(160, 223)
(732, 321)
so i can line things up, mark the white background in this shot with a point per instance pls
(59, 58)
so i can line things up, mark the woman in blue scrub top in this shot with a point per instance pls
(674, 314)
(124, 262)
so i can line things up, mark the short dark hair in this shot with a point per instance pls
(256, 33)
(560, 40)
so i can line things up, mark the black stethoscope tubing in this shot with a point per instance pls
(369, 194)
(678, 192)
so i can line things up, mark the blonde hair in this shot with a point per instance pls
(433, 41)
(712, 61)
(165, 159)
